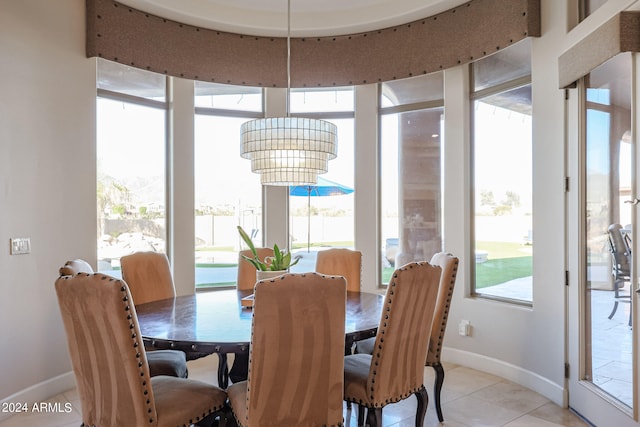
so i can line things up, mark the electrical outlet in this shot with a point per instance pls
(19, 245)
(464, 328)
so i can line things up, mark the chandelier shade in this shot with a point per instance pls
(288, 150)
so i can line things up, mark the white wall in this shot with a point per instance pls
(47, 182)
(525, 344)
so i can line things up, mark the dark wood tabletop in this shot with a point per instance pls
(216, 322)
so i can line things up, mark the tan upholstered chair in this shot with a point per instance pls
(341, 262)
(395, 370)
(449, 265)
(110, 363)
(245, 281)
(161, 362)
(148, 275)
(75, 266)
(296, 360)
(246, 278)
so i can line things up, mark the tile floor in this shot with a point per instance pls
(612, 344)
(470, 398)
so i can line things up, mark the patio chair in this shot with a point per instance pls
(296, 355)
(110, 363)
(620, 266)
(161, 362)
(395, 370)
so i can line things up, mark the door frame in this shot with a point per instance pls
(585, 398)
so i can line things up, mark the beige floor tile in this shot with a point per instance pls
(511, 396)
(531, 421)
(555, 414)
(466, 380)
(473, 399)
(477, 412)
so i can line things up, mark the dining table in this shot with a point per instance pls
(216, 321)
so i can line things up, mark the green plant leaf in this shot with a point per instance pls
(281, 259)
(257, 263)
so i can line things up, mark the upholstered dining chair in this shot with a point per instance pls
(149, 277)
(341, 262)
(245, 281)
(395, 370)
(246, 277)
(110, 363)
(161, 362)
(449, 265)
(291, 382)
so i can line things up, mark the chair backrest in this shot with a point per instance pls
(107, 353)
(148, 275)
(74, 267)
(341, 262)
(620, 251)
(397, 365)
(297, 351)
(449, 265)
(246, 278)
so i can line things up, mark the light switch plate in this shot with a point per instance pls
(19, 245)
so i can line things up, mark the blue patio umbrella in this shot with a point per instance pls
(323, 188)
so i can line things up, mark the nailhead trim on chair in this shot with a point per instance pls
(270, 280)
(443, 325)
(375, 361)
(136, 344)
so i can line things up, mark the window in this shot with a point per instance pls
(227, 193)
(502, 175)
(131, 163)
(410, 170)
(318, 218)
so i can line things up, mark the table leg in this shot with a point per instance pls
(223, 371)
(240, 368)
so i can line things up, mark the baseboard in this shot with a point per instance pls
(40, 392)
(555, 392)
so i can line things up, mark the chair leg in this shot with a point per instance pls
(423, 401)
(437, 389)
(374, 417)
(615, 307)
(360, 415)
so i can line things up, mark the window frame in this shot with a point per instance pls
(225, 113)
(163, 106)
(430, 104)
(474, 96)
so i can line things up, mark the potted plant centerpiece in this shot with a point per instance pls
(273, 266)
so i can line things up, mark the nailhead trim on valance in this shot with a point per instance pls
(460, 35)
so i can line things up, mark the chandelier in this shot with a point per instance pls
(288, 150)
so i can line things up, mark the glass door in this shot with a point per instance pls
(602, 347)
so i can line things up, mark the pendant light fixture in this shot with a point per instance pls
(288, 150)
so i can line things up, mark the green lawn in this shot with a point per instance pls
(506, 261)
